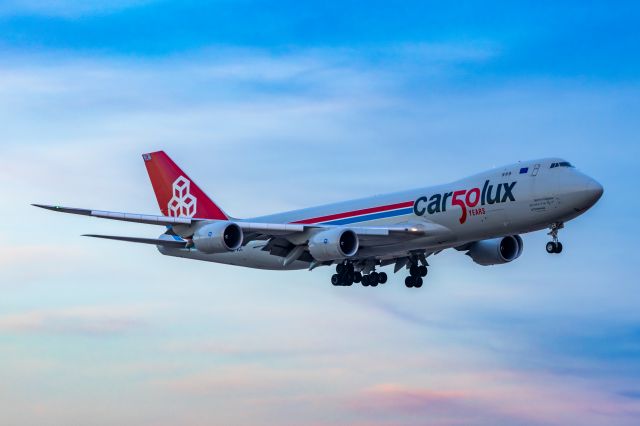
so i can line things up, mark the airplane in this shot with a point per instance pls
(482, 215)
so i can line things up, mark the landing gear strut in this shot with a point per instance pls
(555, 246)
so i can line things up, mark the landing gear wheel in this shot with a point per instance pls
(417, 282)
(382, 277)
(341, 268)
(551, 247)
(335, 279)
(357, 277)
(374, 279)
(365, 280)
(348, 279)
(408, 281)
(559, 248)
(414, 270)
(423, 270)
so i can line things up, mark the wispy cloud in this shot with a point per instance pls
(17, 259)
(85, 321)
(407, 405)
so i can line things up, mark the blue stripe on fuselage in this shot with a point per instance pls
(372, 216)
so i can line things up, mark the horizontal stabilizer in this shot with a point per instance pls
(154, 241)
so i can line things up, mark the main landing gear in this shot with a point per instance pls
(555, 246)
(416, 275)
(346, 275)
(374, 278)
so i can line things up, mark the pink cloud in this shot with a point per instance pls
(394, 397)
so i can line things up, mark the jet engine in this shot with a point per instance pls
(219, 237)
(496, 251)
(334, 244)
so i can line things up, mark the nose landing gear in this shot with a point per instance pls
(555, 246)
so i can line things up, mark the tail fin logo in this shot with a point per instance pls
(182, 203)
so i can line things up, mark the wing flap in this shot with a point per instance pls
(384, 235)
(272, 228)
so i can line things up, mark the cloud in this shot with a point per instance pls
(491, 397)
(408, 405)
(259, 349)
(388, 396)
(17, 259)
(85, 321)
(91, 111)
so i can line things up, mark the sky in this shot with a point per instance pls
(272, 106)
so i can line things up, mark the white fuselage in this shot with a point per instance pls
(515, 199)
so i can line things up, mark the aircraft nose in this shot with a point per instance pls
(594, 189)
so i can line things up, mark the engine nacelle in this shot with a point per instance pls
(334, 244)
(496, 251)
(219, 237)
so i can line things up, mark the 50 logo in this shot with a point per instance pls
(469, 201)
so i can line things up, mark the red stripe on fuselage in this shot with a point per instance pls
(355, 213)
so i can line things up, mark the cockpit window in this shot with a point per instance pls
(561, 164)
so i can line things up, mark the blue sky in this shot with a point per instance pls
(279, 105)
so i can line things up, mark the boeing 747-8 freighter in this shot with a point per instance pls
(481, 215)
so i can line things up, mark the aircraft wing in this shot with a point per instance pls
(262, 228)
(283, 240)
(126, 217)
(367, 234)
